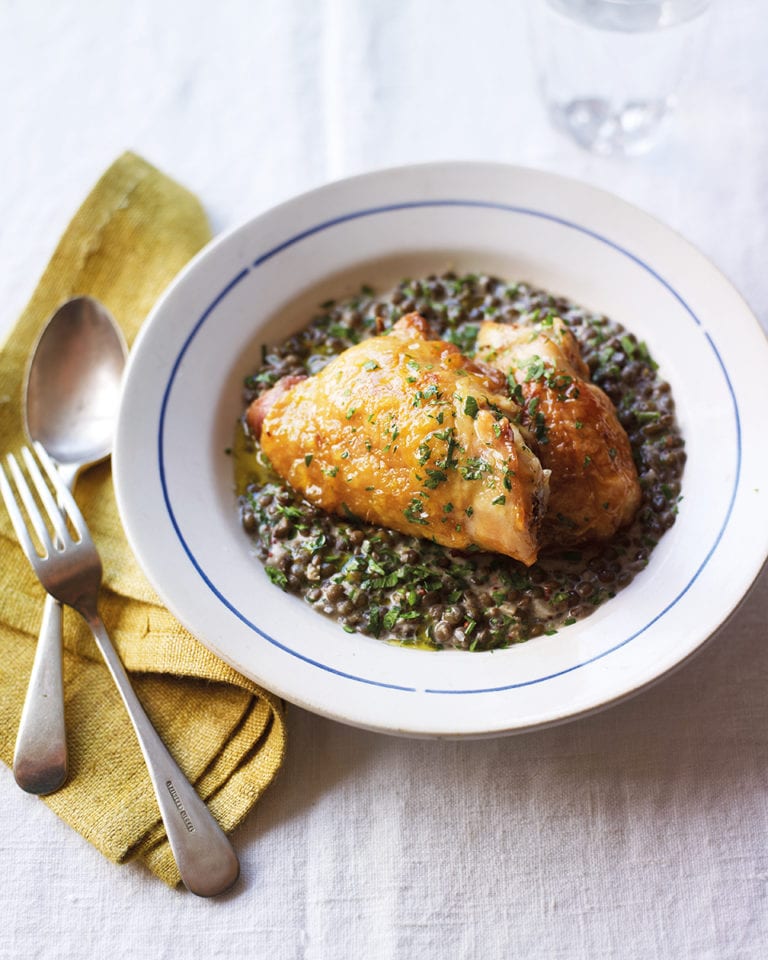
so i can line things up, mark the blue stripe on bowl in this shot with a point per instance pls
(391, 208)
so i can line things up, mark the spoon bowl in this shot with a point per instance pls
(70, 406)
(73, 383)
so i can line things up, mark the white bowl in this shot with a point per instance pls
(260, 282)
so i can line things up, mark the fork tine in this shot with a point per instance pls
(52, 508)
(62, 491)
(17, 519)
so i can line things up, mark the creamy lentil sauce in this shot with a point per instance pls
(410, 590)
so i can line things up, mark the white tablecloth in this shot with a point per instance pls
(637, 833)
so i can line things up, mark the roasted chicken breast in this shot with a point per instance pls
(594, 488)
(403, 431)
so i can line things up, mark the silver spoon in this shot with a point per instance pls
(71, 401)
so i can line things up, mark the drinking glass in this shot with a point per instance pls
(610, 70)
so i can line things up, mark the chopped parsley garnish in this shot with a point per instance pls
(464, 337)
(434, 479)
(277, 577)
(374, 621)
(629, 345)
(540, 428)
(515, 390)
(535, 368)
(644, 354)
(343, 332)
(391, 617)
(448, 462)
(423, 454)
(473, 468)
(413, 511)
(314, 545)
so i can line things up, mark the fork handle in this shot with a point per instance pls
(40, 755)
(207, 863)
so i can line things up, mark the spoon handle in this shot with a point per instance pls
(40, 757)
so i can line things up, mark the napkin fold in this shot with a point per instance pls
(132, 235)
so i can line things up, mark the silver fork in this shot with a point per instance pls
(70, 570)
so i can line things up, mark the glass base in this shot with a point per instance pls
(611, 129)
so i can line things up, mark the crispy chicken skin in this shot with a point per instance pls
(594, 488)
(263, 404)
(403, 431)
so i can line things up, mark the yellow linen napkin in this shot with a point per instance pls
(131, 236)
